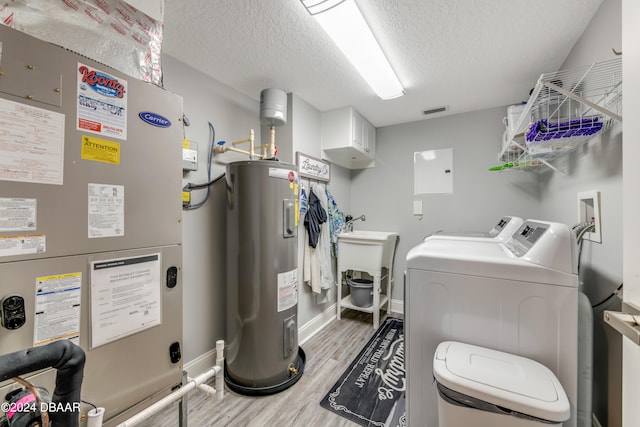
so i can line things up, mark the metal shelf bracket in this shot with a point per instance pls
(627, 321)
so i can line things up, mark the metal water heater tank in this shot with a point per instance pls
(262, 356)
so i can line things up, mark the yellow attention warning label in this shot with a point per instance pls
(100, 150)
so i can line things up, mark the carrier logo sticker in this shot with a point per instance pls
(154, 119)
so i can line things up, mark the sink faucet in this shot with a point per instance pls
(351, 220)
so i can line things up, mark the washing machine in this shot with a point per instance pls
(502, 231)
(518, 296)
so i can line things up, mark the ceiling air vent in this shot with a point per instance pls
(434, 110)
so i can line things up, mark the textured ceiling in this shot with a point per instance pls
(463, 54)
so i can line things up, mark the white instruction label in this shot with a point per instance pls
(287, 174)
(287, 289)
(31, 144)
(125, 297)
(57, 308)
(17, 214)
(22, 245)
(106, 210)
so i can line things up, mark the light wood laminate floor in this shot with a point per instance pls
(328, 354)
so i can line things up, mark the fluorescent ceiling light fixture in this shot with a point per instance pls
(344, 23)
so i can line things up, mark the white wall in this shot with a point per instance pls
(597, 165)
(480, 197)
(203, 235)
(304, 127)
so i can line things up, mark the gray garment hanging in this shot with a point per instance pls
(316, 215)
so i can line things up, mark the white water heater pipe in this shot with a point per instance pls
(220, 363)
(219, 386)
(251, 152)
(197, 382)
(94, 417)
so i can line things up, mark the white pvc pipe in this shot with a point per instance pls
(272, 145)
(252, 147)
(224, 148)
(176, 395)
(207, 389)
(219, 386)
(220, 362)
(197, 382)
(94, 417)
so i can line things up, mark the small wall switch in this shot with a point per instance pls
(417, 207)
(588, 211)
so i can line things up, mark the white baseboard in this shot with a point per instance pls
(315, 325)
(205, 361)
(201, 364)
(397, 306)
(318, 323)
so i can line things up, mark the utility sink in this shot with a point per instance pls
(370, 252)
(365, 250)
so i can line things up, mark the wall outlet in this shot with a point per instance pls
(589, 210)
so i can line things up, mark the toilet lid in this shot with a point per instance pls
(503, 379)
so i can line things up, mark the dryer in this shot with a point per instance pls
(518, 296)
(502, 231)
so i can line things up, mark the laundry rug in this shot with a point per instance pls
(371, 392)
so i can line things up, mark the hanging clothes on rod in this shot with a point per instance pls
(316, 215)
(337, 223)
(317, 267)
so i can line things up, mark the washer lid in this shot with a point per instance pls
(503, 379)
(485, 259)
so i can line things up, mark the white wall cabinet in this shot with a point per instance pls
(348, 139)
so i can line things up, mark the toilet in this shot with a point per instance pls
(482, 387)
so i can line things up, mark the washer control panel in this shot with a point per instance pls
(526, 237)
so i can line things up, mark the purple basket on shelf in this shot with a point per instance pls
(543, 130)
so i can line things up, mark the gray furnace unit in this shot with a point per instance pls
(262, 355)
(90, 222)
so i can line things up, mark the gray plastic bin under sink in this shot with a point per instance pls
(361, 292)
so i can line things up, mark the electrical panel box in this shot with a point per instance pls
(90, 221)
(433, 172)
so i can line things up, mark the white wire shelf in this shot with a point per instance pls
(565, 109)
